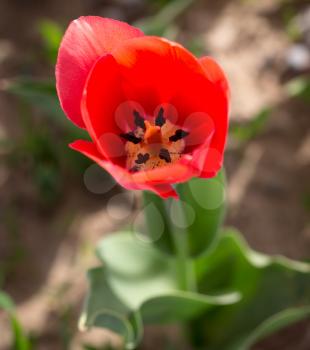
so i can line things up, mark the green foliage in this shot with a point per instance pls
(247, 131)
(46, 152)
(289, 18)
(6, 303)
(275, 292)
(299, 87)
(206, 199)
(140, 287)
(39, 93)
(20, 340)
(105, 347)
(137, 284)
(16, 252)
(197, 216)
(51, 34)
(163, 19)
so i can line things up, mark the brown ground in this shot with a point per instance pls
(268, 176)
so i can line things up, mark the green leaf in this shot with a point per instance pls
(196, 217)
(274, 323)
(137, 284)
(6, 303)
(205, 198)
(21, 342)
(275, 292)
(299, 87)
(40, 93)
(51, 34)
(157, 225)
(247, 131)
(157, 24)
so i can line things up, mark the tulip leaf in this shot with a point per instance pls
(275, 292)
(246, 131)
(19, 339)
(196, 216)
(206, 199)
(274, 323)
(40, 93)
(6, 303)
(299, 87)
(137, 285)
(155, 211)
(157, 24)
(51, 34)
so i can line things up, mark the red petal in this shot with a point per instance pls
(156, 70)
(85, 40)
(122, 176)
(102, 95)
(216, 75)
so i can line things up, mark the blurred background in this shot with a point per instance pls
(55, 205)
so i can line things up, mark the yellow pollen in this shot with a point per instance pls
(155, 149)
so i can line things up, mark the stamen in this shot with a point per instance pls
(165, 155)
(142, 158)
(131, 137)
(160, 120)
(154, 142)
(179, 134)
(139, 120)
(134, 169)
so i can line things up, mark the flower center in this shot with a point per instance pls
(153, 143)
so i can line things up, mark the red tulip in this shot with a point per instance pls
(156, 114)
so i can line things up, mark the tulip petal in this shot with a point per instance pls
(122, 176)
(85, 40)
(155, 69)
(101, 97)
(215, 74)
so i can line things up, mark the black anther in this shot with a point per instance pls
(160, 120)
(165, 155)
(178, 135)
(131, 137)
(142, 158)
(139, 120)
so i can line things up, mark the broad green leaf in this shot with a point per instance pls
(193, 221)
(157, 225)
(205, 198)
(274, 323)
(137, 284)
(270, 288)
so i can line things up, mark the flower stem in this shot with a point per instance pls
(185, 271)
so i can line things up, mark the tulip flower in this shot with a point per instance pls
(156, 114)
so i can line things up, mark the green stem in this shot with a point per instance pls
(185, 272)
